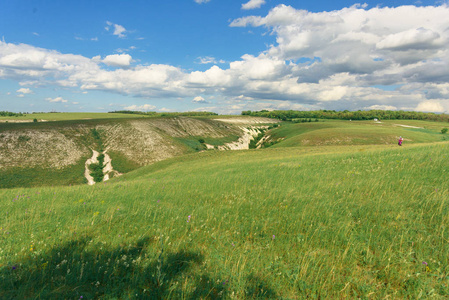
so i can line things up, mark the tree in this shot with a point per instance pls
(444, 130)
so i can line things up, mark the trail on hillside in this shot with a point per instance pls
(408, 126)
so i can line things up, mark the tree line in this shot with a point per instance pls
(289, 115)
(11, 114)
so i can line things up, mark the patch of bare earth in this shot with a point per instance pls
(249, 133)
(92, 160)
(408, 126)
(140, 142)
(30, 148)
(107, 170)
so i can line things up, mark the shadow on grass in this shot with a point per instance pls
(76, 271)
(258, 288)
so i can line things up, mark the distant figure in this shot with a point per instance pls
(400, 141)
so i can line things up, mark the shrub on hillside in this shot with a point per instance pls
(253, 143)
(97, 169)
(97, 172)
(444, 130)
(23, 138)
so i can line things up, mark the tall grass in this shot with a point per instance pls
(276, 223)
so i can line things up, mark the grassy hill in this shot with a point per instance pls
(54, 153)
(40, 117)
(329, 220)
(339, 132)
(295, 223)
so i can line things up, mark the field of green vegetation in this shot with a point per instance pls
(348, 220)
(67, 116)
(343, 132)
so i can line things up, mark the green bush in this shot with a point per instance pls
(444, 130)
(24, 138)
(97, 169)
(253, 143)
(97, 172)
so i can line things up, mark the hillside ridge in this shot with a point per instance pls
(129, 143)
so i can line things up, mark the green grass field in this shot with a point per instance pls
(338, 132)
(70, 116)
(355, 221)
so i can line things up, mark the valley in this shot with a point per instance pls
(328, 209)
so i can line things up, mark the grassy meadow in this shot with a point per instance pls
(334, 222)
(343, 132)
(68, 116)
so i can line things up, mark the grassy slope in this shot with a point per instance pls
(40, 176)
(335, 132)
(287, 222)
(26, 176)
(70, 116)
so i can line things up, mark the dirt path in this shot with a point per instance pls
(408, 126)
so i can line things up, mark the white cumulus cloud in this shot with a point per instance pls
(118, 60)
(199, 99)
(56, 100)
(352, 58)
(381, 107)
(430, 106)
(24, 91)
(208, 60)
(201, 1)
(144, 107)
(419, 38)
(253, 4)
(118, 30)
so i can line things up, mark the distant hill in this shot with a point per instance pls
(47, 153)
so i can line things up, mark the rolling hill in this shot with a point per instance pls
(292, 221)
(44, 153)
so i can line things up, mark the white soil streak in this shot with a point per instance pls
(92, 160)
(408, 126)
(106, 170)
(243, 141)
(260, 143)
(107, 166)
(16, 121)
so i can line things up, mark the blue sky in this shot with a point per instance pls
(223, 55)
